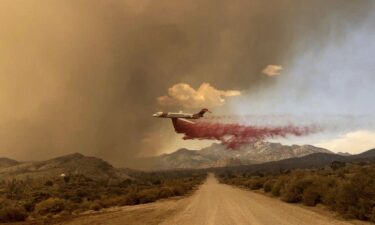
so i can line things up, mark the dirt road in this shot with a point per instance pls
(214, 204)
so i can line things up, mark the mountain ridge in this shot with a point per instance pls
(217, 155)
(71, 164)
(96, 168)
(315, 160)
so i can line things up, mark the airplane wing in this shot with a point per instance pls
(186, 121)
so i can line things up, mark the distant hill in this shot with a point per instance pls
(315, 160)
(215, 157)
(218, 155)
(343, 153)
(69, 164)
(366, 154)
(6, 162)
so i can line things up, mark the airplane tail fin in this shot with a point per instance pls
(201, 113)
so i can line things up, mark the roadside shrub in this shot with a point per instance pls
(255, 183)
(278, 187)
(292, 193)
(329, 189)
(268, 185)
(50, 206)
(178, 190)
(356, 197)
(165, 192)
(12, 214)
(294, 189)
(372, 217)
(311, 196)
(148, 195)
(95, 206)
(131, 199)
(70, 206)
(108, 201)
(89, 205)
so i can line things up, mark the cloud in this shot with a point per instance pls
(272, 70)
(352, 142)
(205, 96)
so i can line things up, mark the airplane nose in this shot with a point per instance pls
(158, 114)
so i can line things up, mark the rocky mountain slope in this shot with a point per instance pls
(66, 165)
(218, 155)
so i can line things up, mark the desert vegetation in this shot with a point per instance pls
(346, 188)
(72, 194)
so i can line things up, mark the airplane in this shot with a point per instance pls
(182, 122)
(181, 115)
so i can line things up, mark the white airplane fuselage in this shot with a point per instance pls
(182, 122)
(174, 115)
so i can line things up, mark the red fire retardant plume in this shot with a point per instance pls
(234, 135)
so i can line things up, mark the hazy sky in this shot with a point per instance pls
(84, 76)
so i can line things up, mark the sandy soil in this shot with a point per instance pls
(216, 204)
